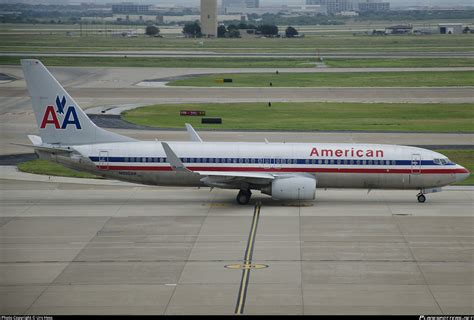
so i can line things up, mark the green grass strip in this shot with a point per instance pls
(49, 168)
(400, 63)
(464, 158)
(313, 116)
(168, 62)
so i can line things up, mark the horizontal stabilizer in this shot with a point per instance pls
(47, 148)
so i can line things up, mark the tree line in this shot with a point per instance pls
(193, 30)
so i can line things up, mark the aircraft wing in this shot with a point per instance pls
(216, 178)
(236, 174)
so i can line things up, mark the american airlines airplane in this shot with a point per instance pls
(285, 171)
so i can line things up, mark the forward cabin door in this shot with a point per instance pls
(104, 160)
(415, 164)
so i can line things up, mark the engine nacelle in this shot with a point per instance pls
(292, 188)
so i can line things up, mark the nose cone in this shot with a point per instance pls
(461, 173)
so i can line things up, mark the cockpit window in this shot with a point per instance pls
(442, 162)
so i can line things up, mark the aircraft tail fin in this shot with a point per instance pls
(60, 119)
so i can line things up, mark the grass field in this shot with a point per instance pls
(346, 79)
(55, 41)
(52, 169)
(165, 62)
(238, 62)
(313, 116)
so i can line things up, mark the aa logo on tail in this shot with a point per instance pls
(51, 115)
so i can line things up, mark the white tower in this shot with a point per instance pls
(209, 18)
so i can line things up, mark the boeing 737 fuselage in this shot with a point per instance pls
(285, 171)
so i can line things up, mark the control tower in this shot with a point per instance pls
(209, 18)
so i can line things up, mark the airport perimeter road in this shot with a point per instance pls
(71, 248)
(140, 95)
(122, 77)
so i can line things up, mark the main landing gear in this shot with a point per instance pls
(243, 197)
(421, 197)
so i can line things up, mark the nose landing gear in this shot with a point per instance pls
(421, 197)
(243, 197)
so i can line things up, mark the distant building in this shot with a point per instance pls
(348, 14)
(209, 18)
(370, 6)
(131, 8)
(400, 29)
(252, 3)
(450, 28)
(307, 9)
(236, 6)
(332, 6)
(241, 3)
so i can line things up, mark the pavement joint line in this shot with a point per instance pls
(85, 245)
(214, 196)
(415, 260)
(301, 246)
(239, 308)
(67, 264)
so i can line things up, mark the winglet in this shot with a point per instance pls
(192, 133)
(173, 159)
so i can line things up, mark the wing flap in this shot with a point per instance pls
(236, 174)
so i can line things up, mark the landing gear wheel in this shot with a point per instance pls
(421, 198)
(243, 197)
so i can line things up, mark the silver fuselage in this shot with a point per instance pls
(333, 165)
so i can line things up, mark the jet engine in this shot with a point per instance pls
(292, 188)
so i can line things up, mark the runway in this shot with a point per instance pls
(112, 248)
